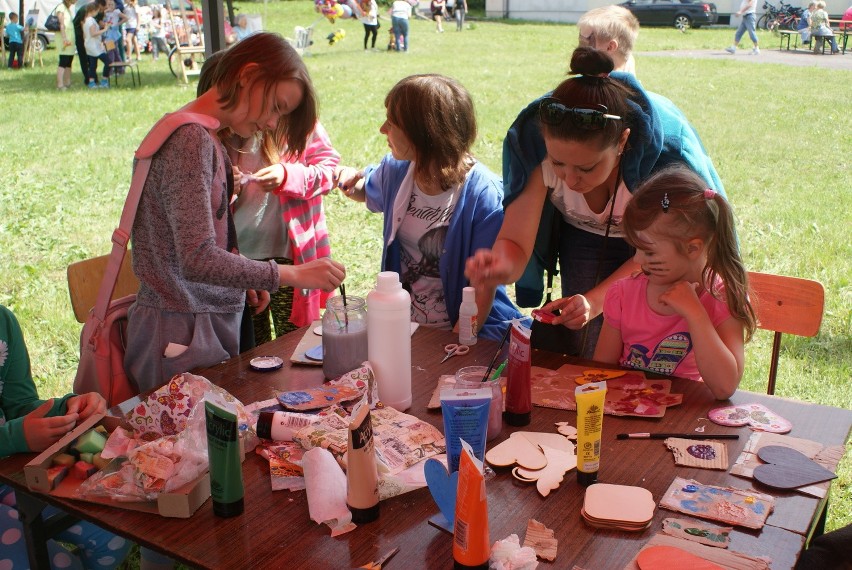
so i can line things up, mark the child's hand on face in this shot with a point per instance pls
(41, 432)
(682, 297)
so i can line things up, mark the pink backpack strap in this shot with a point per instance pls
(152, 142)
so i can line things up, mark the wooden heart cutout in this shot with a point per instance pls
(443, 487)
(787, 468)
(517, 449)
(666, 557)
(548, 479)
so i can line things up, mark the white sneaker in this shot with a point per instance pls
(731, 49)
(755, 51)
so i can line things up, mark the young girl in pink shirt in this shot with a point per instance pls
(687, 313)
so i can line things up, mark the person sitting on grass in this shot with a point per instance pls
(686, 312)
(29, 424)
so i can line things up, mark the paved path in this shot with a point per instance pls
(771, 55)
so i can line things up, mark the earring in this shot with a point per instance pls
(665, 203)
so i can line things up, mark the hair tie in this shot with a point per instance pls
(665, 203)
(709, 193)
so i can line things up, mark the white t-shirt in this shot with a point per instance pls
(132, 17)
(748, 6)
(94, 45)
(575, 209)
(370, 17)
(421, 236)
(401, 9)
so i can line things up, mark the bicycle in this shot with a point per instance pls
(786, 17)
(191, 61)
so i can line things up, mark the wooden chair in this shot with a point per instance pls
(84, 280)
(785, 305)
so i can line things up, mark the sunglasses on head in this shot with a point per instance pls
(553, 113)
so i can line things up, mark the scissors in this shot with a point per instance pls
(377, 565)
(455, 349)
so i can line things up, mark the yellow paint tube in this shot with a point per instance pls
(471, 541)
(590, 406)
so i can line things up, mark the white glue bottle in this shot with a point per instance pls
(468, 323)
(389, 340)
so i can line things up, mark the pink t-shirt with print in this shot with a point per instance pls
(653, 342)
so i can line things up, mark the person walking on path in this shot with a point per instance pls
(747, 11)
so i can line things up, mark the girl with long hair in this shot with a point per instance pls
(686, 312)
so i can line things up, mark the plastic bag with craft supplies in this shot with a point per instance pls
(167, 447)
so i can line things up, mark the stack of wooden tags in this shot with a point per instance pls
(620, 507)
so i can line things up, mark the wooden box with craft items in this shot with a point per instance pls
(52, 473)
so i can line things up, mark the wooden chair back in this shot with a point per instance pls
(785, 305)
(84, 280)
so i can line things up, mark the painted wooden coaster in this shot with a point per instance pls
(666, 557)
(756, 416)
(787, 468)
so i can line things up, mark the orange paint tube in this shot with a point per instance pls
(471, 541)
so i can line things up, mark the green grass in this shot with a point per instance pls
(780, 137)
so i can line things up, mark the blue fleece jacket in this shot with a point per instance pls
(660, 136)
(474, 225)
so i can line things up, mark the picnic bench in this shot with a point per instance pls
(785, 36)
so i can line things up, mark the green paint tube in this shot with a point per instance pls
(223, 449)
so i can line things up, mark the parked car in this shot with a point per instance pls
(681, 14)
(44, 40)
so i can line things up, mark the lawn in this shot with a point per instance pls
(780, 138)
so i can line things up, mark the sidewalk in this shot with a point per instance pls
(771, 54)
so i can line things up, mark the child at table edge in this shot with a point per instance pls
(687, 313)
(29, 424)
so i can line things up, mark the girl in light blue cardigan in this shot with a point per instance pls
(430, 181)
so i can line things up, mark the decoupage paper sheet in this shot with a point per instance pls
(725, 558)
(826, 455)
(698, 453)
(738, 507)
(629, 393)
(401, 440)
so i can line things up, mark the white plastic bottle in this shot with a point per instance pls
(389, 339)
(468, 312)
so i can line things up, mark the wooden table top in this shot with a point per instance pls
(276, 532)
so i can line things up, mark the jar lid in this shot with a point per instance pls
(266, 363)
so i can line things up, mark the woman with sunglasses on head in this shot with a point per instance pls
(570, 162)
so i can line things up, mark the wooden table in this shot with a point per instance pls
(275, 531)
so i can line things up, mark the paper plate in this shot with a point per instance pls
(314, 353)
